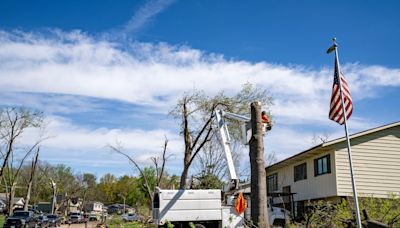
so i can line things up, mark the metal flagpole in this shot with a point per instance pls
(353, 182)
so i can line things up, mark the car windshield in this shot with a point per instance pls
(51, 216)
(21, 214)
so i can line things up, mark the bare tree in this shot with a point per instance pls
(194, 139)
(195, 111)
(320, 138)
(12, 176)
(30, 182)
(13, 123)
(271, 159)
(118, 149)
(163, 161)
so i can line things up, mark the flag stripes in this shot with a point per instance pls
(336, 109)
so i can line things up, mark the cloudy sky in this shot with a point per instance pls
(111, 70)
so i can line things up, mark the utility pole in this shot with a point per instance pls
(259, 213)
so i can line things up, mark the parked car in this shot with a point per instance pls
(42, 221)
(93, 217)
(54, 220)
(130, 217)
(76, 217)
(21, 219)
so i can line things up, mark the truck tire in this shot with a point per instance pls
(199, 226)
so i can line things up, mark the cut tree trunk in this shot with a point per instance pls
(259, 213)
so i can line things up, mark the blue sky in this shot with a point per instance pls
(105, 70)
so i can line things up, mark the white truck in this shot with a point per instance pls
(209, 207)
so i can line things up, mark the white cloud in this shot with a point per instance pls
(74, 63)
(144, 15)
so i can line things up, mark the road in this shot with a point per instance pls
(82, 225)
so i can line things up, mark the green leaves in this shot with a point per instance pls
(328, 214)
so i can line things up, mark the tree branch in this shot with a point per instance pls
(164, 160)
(118, 150)
(206, 139)
(202, 130)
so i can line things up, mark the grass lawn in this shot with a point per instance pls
(116, 222)
(2, 218)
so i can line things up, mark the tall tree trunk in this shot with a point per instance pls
(33, 168)
(11, 198)
(6, 188)
(182, 183)
(259, 213)
(8, 152)
(188, 148)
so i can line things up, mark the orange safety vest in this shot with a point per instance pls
(241, 204)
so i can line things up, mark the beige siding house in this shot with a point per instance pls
(322, 172)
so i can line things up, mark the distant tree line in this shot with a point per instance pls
(108, 189)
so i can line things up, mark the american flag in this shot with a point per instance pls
(336, 110)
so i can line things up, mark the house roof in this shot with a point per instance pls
(4, 198)
(93, 202)
(324, 146)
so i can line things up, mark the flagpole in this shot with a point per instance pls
(353, 182)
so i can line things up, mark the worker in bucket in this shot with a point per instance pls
(266, 120)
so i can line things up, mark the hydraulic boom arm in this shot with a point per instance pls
(224, 133)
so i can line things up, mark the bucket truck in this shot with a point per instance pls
(207, 207)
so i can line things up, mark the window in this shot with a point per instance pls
(300, 172)
(272, 182)
(322, 165)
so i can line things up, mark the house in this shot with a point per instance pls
(92, 206)
(66, 204)
(322, 172)
(3, 206)
(18, 201)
